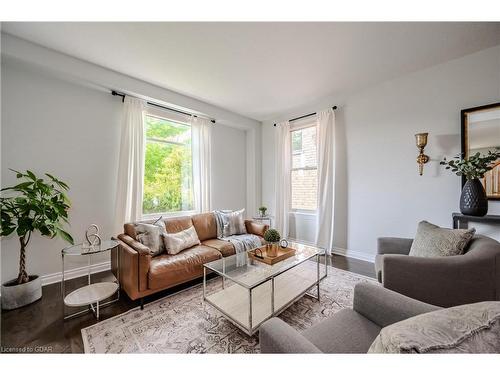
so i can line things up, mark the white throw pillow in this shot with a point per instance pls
(230, 223)
(176, 242)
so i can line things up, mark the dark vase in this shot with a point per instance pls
(473, 200)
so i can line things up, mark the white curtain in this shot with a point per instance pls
(202, 154)
(326, 179)
(130, 164)
(282, 178)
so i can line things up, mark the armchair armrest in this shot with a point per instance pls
(444, 281)
(256, 228)
(276, 336)
(394, 245)
(384, 307)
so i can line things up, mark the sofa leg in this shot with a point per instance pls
(141, 301)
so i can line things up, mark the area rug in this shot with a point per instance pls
(181, 323)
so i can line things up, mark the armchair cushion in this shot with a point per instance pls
(433, 241)
(345, 332)
(473, 328)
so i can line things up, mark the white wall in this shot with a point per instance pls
(72, 131)
(381, 191)
(229, 168)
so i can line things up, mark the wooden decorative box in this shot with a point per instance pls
(281, 254)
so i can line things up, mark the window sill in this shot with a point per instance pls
(168, 214)
(304, 213)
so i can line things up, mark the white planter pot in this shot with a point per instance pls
(14, 296)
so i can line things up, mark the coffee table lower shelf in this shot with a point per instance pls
(249, 308)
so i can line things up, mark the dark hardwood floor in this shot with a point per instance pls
(39, 327)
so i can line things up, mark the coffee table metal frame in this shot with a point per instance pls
(250, 330)
(73, 251)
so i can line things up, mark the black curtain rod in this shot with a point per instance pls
(114, 93)
(310, 114)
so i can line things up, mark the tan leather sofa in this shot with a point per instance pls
(142, 274)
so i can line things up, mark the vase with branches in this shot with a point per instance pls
(473, 200)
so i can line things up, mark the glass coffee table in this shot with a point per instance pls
(251, 292)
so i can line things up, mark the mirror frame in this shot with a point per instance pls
(464, 131)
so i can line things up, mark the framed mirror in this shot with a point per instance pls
(480, 133)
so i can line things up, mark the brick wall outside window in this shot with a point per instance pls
(304, 173)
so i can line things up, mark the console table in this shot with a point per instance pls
(462, 221)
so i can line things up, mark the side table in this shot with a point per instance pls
(91, 294)
(264, 219)
(461, 221)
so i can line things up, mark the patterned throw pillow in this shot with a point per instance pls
(230, 223)
(433, 241)
(176, 242)
(473, 328)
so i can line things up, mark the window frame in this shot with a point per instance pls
(175, 118)
(301, 125)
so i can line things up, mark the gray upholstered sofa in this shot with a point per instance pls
(444, 281)
(349, 330)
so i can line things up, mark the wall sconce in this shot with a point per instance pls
(421, 139)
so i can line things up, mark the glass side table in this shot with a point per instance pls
(91, 294)
(264, 219)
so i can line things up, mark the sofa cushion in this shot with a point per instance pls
(433, 241)
(226, 248)
(176, 242)
(473, 328)
(205, 226)
(168, 270)
(345, 332)
(176, 224)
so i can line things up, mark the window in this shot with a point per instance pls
(168, 171)
(304, 173)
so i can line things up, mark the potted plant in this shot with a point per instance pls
(473, 200)
(272, 237)
(262, 210)
(33, 205)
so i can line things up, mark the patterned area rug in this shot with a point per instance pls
(180, 323)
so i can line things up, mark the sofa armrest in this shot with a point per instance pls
(443, 281)
(134, 265)
(136, 245)
(384, 307)
(394, 245)
(276, 336)
(256, 228)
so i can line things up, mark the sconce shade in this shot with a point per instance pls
(421, 139)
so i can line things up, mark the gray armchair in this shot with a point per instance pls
(349, 330)
(445, 281)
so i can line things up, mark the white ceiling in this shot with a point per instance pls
(262, 70)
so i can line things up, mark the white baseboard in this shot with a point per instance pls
(354, 254)
(344, 252)
(75, 272)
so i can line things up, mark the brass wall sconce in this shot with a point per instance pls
(421, 139)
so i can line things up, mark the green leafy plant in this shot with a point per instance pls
(474, 166)
(262, 209)
(272, 235)
(34, 205)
